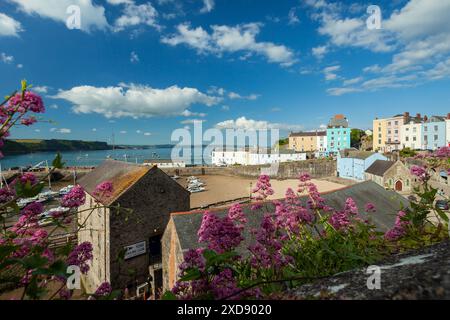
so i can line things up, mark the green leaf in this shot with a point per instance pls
(168, 295)
(57, 162)
(28, 190)
(33, 262)
(191, 274)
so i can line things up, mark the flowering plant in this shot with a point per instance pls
(29, 261)
(300, 239)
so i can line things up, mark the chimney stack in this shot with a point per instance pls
(418, 116)
(425, 118)
(448, 116)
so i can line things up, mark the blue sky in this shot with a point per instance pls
(141, 69)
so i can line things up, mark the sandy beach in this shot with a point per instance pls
(229, 188)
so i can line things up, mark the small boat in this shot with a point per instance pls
(196, 190)
(65, 190)
(176, 177)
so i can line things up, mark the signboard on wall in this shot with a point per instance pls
(135, 250)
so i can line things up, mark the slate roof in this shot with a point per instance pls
(387, 204)
(308, 134)
(123, 175)
(353, 153)
(337, 122)
(379, 167)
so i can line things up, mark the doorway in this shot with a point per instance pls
(399, 186)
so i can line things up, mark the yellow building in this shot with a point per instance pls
(379, 134)
(305, 141)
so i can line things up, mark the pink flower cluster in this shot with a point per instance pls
(420, 173)
(104, 189)
(31, 102)
(6, 195)
(81, 256)
(221, 235)
(263, 188)
(399, 229)
(104, 289)
(28, 177)
(75, 198)
(443, 152)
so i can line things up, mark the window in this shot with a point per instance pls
(435, 128)
(407, 139)
(389, 131)
(425, 128)
(379, 141)
(414, 139)
(396, 123)
(435, 137)
(396, 131)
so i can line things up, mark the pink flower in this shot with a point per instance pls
(80, 256)
(236, 214)
(370, 207)
(31, 102)
(304, 177)
(443, 152)
(263, 188)
(399, 229)
(75, 198)
(350, 207)
(221, 235)
(6, 195)
(27, 177)
(103, 290)
(340, 221)
(224, 285)
(28, 121)
(419, 172)
(104, 189)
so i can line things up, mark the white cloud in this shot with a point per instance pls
(54, 106)
(40, 89)
(352, 81)
(417, 35)
(330, 72)
(208, 6)
(118, 2)
(320, 51)
(62, 130)
(342, 91)
(292, 16)
(138, 131)
(20, 66)
(233, 96)
(123, 132)
(93, 16)
(134, 15)
(6, 59)
(147, 134)
(134, 58)
(187, 113)
(94, 129)
(230, 39)
(192, 121)
(249, 124)
(9, 26)
(134, 100)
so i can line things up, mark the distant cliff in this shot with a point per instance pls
(13, 147)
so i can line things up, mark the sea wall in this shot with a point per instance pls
(288, 170)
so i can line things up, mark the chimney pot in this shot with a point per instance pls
(418, 116)
(448, 116)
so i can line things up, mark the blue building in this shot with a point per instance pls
(338, 134)
(434, 133)
(352, 164)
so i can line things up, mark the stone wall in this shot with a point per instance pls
(288, 170)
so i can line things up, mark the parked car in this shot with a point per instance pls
(442, 204)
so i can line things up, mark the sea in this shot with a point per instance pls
(94, 158)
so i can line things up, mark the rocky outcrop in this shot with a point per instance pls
(419, 274)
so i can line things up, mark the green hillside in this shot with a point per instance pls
(23, 146)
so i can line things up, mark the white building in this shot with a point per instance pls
(165, 164)
(322, 142)
(253, 157)
(411, 135)
(447, 126)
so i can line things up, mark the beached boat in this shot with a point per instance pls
(65, 190)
